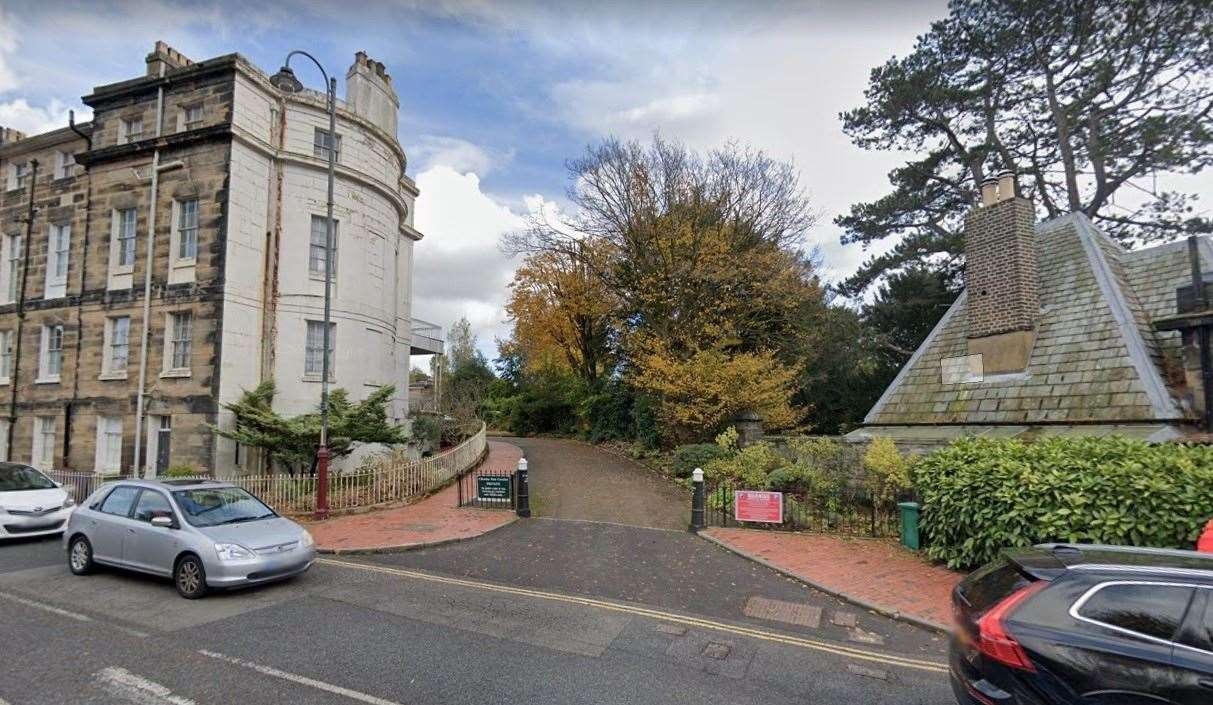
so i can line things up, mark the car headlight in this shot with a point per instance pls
(232, 552)
(307, 541)
(69, 502)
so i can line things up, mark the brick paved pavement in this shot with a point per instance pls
(875, 573)
(433, 520)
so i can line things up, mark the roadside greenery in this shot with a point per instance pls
(292, 441)
(981, 496)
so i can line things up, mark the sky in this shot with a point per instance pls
(495, 97)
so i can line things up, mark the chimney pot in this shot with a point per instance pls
(1007, 187)
(989, 191)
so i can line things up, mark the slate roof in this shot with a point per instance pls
(1096, 359)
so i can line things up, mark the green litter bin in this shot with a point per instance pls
(909, 524)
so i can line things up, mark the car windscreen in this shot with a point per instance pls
(15, 478)
(213, 506)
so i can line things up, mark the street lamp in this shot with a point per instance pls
(286, 82)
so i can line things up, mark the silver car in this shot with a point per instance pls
(202, 533)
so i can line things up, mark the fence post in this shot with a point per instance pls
(697, 500)
(524, 490)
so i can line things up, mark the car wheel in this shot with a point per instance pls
(80, 556)
(190, 578)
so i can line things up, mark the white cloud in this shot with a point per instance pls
(32, 119)
(458, 269)
(460, 155)
(8, 46)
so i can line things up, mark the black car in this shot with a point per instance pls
(1097, 625)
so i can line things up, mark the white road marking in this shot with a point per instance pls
(49, 608)
(301, 680)
(135, 689)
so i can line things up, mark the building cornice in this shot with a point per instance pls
(171, 139)
(41, 141)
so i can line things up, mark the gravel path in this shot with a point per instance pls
(574, 480)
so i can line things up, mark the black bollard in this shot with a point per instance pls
(697, 500)
(524, 490)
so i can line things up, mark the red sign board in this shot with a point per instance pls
(765, 507)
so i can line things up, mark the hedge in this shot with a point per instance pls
(981, 496)
(696, 455)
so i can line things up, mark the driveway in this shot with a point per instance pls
(574, 480)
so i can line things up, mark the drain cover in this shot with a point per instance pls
(716, 650)
(780, 611)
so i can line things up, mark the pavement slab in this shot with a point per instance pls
(874, 573)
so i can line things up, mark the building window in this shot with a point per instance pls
(20, 175)
(109, 444)
(132, 129)
(117, 345)
(316, 259)
(12, 272)
(43, 455)
(191, 116)
(6, 356)
(187, 229)
(321, 143)
(50, 363)
(58, 250)
(314, 349)
(124, 235)
(65, 162)
(180, 341)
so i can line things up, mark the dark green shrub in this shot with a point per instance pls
(428, 430)
(695, 455)
(982, 496)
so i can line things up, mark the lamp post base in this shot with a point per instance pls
(322, 483)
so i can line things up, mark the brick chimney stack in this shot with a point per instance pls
(1001, 276)
(163, 55)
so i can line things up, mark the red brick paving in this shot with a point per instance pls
(434, 519)
(877, 573)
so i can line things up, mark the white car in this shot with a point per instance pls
(31, 504)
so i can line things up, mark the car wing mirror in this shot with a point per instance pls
(165, 522)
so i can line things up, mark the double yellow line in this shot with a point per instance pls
(685, 620)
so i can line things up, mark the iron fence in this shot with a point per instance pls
(849, 511)
(387, 479)
(488, 488)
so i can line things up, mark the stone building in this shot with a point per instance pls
(1059, 331)
(174, 246)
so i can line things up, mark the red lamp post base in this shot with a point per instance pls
(322, 483)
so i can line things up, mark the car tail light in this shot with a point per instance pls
(994, 641)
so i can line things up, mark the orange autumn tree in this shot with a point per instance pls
(715, 299)
(561, 313)
(702, 392)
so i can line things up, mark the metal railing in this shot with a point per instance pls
(848, 511)
(389, 478)
(425, 328)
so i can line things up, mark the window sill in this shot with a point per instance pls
(47, 380)
(4, 381)
(176, 373)
(184, 263)
(110, 376)
(317, 378)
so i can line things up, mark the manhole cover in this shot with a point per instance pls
(780, 611)
(716, 650)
